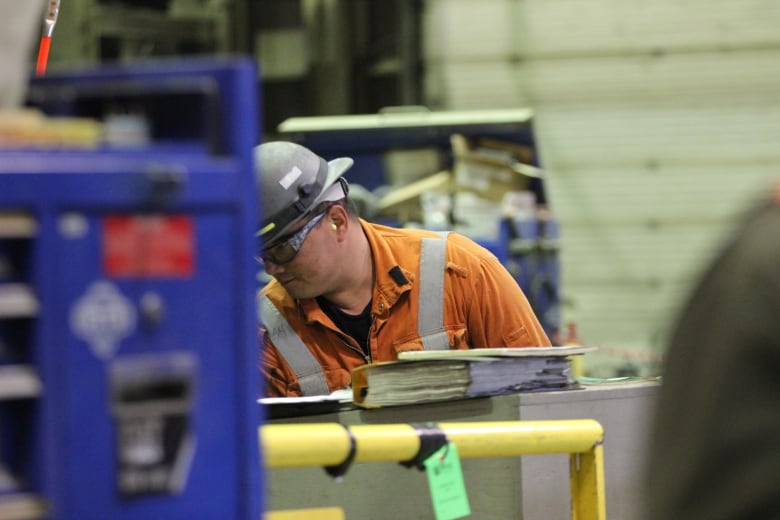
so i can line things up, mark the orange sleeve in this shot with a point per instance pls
(499, 313)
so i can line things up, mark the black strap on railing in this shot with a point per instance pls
(339, 470)
(432, 438)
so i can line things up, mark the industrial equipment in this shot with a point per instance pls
(128, 341)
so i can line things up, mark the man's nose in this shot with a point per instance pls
(272, 267)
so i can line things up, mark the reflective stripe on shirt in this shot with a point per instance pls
(294, 350)
(430, 312)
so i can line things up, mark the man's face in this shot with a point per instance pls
(305, 274)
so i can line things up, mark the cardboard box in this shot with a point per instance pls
(488, 173)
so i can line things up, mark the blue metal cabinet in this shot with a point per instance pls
(145, 343)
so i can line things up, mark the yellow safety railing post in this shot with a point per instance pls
(588, 501)
(328, 444)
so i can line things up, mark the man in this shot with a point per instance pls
(348, 292)
(715, 450)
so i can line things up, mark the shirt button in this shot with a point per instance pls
(381, 307)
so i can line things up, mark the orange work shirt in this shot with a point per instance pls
(483, 307)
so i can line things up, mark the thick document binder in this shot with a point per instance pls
(426, 376)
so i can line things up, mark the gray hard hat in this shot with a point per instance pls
(293, 180)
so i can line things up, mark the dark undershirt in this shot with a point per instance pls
(356, 326)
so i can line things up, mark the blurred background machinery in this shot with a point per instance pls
(317, 56)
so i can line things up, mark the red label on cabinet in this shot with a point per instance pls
(148, 246)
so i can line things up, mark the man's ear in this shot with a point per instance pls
(337, 217)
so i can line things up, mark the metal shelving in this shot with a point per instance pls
(20, 381)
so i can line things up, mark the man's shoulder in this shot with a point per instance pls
(390, 232)
(460, 248)
(397, 233)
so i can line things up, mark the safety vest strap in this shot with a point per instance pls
(430, 314)
(294, 350)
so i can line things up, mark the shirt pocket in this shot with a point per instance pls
(518, 338)
(456, 337)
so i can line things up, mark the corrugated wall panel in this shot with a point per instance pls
(634, 194)
(744, 76)
(607, 135)
(737, 80)
(627, 255)
(468, 30)
(657, 124)
(465, 30)
(625, 26)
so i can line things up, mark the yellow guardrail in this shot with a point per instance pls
(329, 444)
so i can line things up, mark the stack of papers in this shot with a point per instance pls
(426, 376)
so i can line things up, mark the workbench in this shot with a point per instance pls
(532, 487)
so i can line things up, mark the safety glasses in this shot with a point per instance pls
(284, 251)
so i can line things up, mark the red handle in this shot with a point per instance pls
(43, 55)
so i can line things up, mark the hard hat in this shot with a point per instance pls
(293, 180)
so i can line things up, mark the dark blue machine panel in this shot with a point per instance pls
(145, 341)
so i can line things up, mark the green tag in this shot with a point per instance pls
(445, 478)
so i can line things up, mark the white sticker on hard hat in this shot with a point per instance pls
(290, 177)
